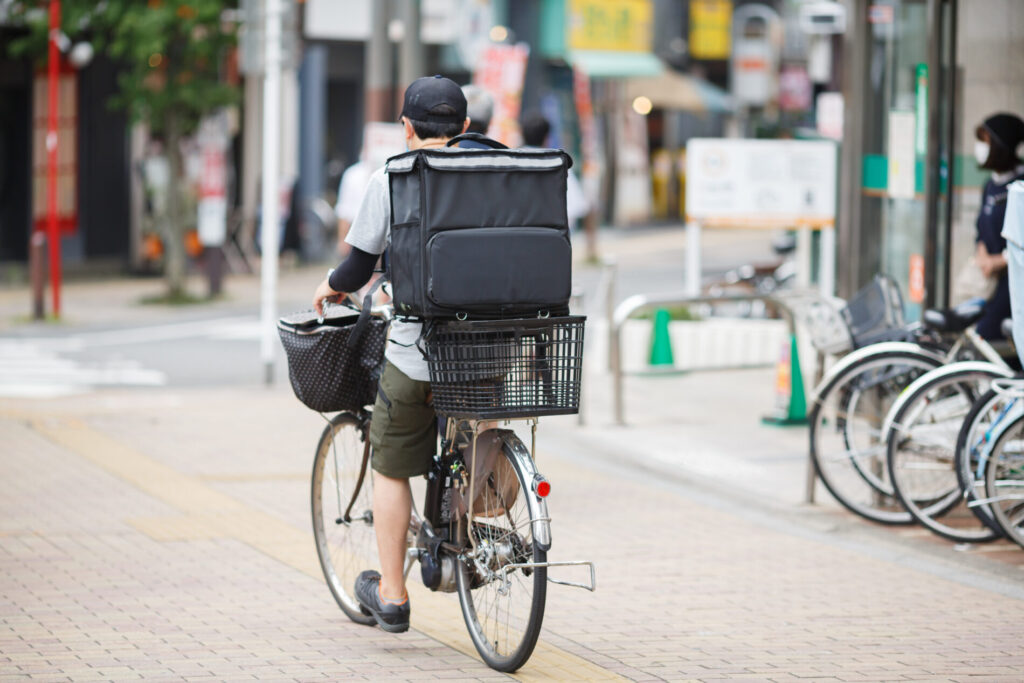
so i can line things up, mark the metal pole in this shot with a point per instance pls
(953, 122)
(693, 266)
(827, 261)
(377, 75)
(410, 64)
(616, 357)
(608, 276)
(855, 79)
(271, 160)
(51, 156)
(803, 257)
(932, 171)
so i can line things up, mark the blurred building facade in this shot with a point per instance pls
(900, 84)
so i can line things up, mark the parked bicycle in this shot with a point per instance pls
(847, 418)
(1002, 466)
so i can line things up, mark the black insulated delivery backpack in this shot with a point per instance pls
(479, 233)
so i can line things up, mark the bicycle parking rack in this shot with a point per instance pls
(644, 302)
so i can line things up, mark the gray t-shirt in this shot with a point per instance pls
(371, 232)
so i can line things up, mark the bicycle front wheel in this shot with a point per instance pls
(845, 429)
(342, 501)
(502, 601)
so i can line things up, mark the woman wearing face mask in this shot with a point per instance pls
(998, 138)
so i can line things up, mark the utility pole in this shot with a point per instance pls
(377, 76)
(51, 157)
(271, 161)
(410, 61)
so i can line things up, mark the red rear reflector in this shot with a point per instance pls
(543, 489)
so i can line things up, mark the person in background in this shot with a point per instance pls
(536, 129)
(996, 149)
(479, 109)
(350, 195)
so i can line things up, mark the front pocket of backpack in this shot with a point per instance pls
(475, 268)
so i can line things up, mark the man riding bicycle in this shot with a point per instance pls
(403, 430)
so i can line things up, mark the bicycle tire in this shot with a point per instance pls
(972, 444)
(342, 482)
(923, 428)
(1004, 481)
(845, 447)
(503, 532)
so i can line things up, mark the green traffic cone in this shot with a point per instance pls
(797, 397)
(661, 343)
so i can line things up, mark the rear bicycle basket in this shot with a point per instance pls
(506, 368)
(875, 313)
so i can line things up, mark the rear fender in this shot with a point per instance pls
(518, 452)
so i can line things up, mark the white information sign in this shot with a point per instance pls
(901, 154)
(761, 183)
(350, 20)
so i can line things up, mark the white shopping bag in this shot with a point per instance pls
(1013, 232)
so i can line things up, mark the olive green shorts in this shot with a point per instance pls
(403, 431)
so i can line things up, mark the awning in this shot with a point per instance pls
(681, 92)
(613, 64)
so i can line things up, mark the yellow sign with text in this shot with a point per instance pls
(710, 29)
(621, 25)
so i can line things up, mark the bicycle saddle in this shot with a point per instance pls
(956, 319)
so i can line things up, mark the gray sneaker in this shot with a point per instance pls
(392, 617)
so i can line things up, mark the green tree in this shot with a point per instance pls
(171, 55)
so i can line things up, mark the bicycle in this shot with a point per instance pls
(921, 433)
(486, 540)
(1004, 480)
(847, 415)
(993, 416)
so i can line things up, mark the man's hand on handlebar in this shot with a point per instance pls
(325, 293)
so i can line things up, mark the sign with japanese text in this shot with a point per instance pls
(501, 71)
(761, 183)
(621, 25)
(710, 29)
(212, 205)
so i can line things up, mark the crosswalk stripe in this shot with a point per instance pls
(37, 367)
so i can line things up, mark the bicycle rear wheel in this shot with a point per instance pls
(921, 449)
(1004, 481)
(845, 430)
(503, 606)
(342, 503)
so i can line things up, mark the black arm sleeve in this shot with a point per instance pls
(354, 271)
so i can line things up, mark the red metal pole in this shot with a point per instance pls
(51, 159)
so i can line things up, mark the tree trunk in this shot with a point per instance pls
(174, 237)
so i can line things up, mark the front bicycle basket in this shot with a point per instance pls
(875, 313)
(506, 368)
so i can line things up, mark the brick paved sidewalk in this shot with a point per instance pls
(165, 535)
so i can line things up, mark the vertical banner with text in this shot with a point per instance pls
(212, 202)
(501, 71)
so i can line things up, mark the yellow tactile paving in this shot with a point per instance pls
(208, 514)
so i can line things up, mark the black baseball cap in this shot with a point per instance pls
(428, 92)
